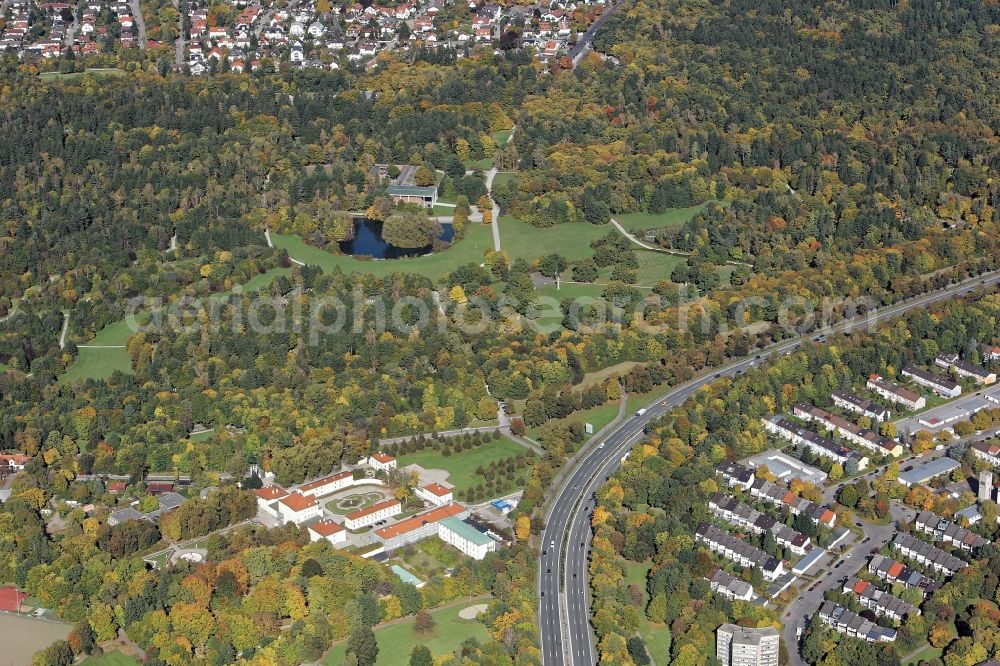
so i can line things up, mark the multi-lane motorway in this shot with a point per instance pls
(564, 604)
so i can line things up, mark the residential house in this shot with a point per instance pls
(878, 601)
(851, 624)
(943, 386)
(737, 513)
(731, 587)
(927, 554)
(895, 393)
(852, 403)
(978, 374)
(848, 430)
(988, 452)
(738, 551)
(823, 446)
(894, 572)
(736, 474)
(948, 532)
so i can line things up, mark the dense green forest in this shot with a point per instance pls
(835, 150)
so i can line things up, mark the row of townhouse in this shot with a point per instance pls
(796, 434)
(988, 452)
(737, 513)
(895, 393)
(948, 532)
(953, 363)
(879, 601)
(943, 386)
(738, 551)
(852, 432)
(851, 624)
(738, 476)
(892, 571)
(727, 585)
(927, 554)
(848, 401)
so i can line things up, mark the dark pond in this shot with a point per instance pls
(368, 242)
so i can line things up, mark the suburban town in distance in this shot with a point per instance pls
(203, 38)
(513, 333)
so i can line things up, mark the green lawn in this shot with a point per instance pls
(671, 218)
(203, 436)
(97, 364)
(260, 281)
(479, 165)
(599, 417)
(571, 290)
(461, 467)
(110, 659)
(396, 641)
(599, 376)
(443, 211)
(478, 239)
(502, 137)
(58, 76)
(118, 332)
(572, 241)
(928, 653)
(656, 636)
(503, 177)
(162, 558)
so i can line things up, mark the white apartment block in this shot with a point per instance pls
(744, 646)
(371, 515)
(466, 538)
(328, 484)
(298, 508)
(327, 529)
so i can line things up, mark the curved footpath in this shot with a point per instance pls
(564, 602)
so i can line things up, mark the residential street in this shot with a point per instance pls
(139, 22)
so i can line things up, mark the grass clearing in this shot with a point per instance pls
(73, 76)
(471, 249)
(670, 218)
(502, 177)
(502, 137)
(599, 376)
(93, 363)
(572, 241)
(203, 436)
(461, 467)
(395, 642)
(656, 636)
(929, 652)
(111, 659)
